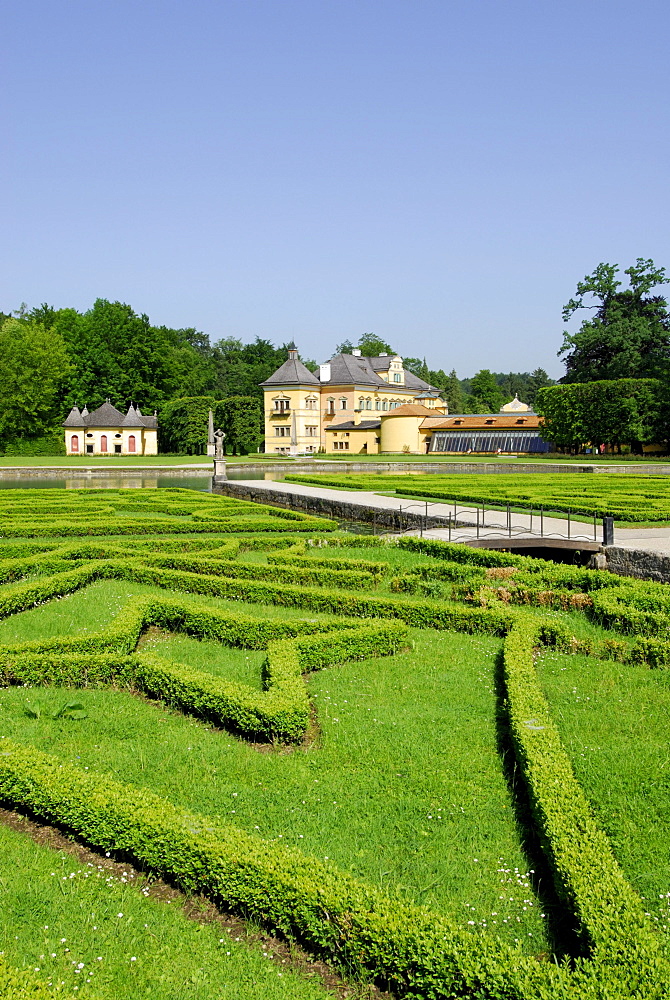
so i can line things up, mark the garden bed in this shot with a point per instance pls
(341, 738)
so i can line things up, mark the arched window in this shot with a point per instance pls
(74, 443)
(131, 444)
(103, 442)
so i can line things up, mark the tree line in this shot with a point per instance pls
(52, 359)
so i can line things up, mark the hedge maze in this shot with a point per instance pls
(330, 599)
(628, 498)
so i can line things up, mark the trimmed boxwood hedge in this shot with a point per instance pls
(417, 953)
(280, 712)
(611, 917)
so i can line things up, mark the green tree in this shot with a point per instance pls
(371, 346)
(34, 363)
(119, 354)
(240, 368)
(538, 380)
(628, 335)
(182, 425)
(241, 419)
(486, 391)
(418, 367)
(453, 393)
(610, 412)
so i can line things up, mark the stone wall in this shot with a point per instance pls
(327, 507)
(638, 563)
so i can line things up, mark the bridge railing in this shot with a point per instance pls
(482, 522)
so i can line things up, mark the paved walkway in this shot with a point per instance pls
(495, 521)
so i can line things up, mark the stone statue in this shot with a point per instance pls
(219, 438)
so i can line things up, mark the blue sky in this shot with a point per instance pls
(439, 173)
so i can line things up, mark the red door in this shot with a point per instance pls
(74, 443)
(131, 443)
(103, 443)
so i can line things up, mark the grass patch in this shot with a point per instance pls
(85, 928)
(614, 721)
(404, 786)
(242, 665)
(404, 778)
(92, 608)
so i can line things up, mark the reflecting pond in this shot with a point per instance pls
(192, 481)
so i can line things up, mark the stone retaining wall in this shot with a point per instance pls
(327, 507)
(638, 563)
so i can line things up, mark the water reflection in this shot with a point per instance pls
(196, 481)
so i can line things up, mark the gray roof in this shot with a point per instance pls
(381, 362)
(292, 372)
(414, 382)
(105, 416)
(108, 416)
(345, 369)
(348, 425)
(133, 418)
(74, 418)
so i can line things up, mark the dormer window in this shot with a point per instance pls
(457, 422)
(491, 421)
(521, 420)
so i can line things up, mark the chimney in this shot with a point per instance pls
(324, 372)
(356, 352)
(357, 417)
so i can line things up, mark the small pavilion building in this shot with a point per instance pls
(108, 431)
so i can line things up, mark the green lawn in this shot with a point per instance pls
(404, 778)
(87, 927)
(614, 722)
(403, 787)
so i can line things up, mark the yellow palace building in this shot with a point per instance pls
(367, 406)
(344, 406)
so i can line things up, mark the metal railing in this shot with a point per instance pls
(541, 522)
